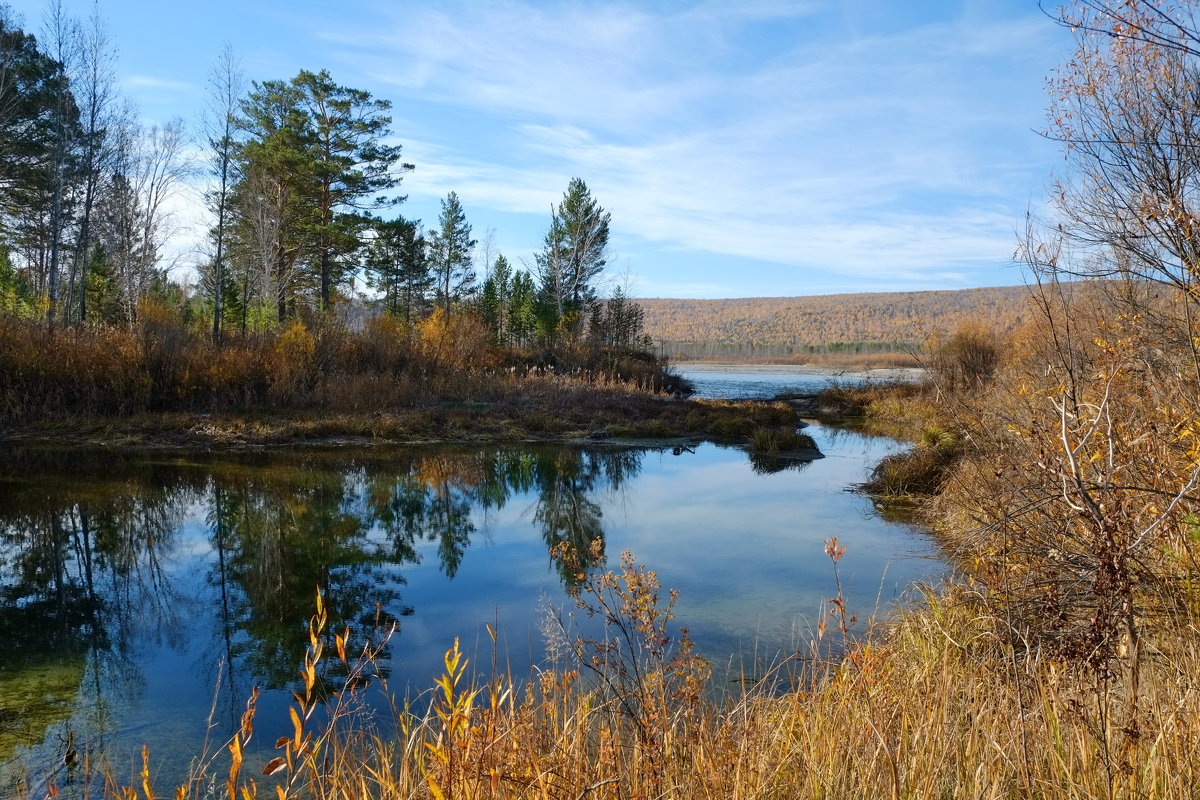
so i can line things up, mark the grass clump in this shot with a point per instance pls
(776, 440)
(921, 470)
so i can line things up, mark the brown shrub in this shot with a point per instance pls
(965, 360)
(457, 342)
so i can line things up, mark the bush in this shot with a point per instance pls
(966, 360)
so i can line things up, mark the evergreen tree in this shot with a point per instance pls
(522, 304)
(552, 292)
(38, 122)
(585, 240)
(573, 256)
(273, 201)
(497, 299)
(351, 166)
(450, 254)
(616, 323)
(398, 267)
(315, 154)
(16, 296)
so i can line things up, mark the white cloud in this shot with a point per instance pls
(891, 155)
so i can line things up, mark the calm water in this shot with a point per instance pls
(726, 381)
(133, 588)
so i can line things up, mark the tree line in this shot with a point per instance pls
(785, 327)
(301, 188)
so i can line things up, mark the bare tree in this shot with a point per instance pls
(138, 217)
(62, 42)
(264, 248)
(95, 92)
(1127, 109)
(226, 87)
(485, 252)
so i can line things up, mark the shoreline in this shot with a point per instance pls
(636, 420)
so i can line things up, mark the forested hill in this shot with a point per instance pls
(782, 327)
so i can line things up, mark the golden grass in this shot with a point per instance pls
(939, 704)
(163, 365)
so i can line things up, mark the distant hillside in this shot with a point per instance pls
(795, 327)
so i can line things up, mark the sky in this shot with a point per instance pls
(744, 148)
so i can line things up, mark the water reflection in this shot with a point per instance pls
(129, 585)
(90, 553)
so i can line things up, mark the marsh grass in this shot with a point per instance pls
(164, 366)
(162, 384)
(939, 702)
(776, 440)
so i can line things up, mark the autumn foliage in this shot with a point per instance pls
(164, 365)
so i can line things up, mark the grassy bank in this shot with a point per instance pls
(161, 385)
(942, 704)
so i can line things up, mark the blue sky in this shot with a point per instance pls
(753, 148)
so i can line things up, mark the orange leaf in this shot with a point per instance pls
(275, 765)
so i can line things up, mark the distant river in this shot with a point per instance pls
(725, 381)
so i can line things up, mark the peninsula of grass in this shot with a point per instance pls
(162, 386)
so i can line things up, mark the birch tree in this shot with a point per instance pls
(226, 87)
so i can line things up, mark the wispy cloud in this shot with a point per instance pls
(762, 131)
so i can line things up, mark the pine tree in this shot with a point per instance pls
(351, 165)
(497, 299)
(573, 256)
(397, 266)
(523, 317)
(450, 254)
(316, 155)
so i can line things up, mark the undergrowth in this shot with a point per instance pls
(162, 365)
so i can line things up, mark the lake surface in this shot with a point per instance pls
(133, 588)
(725, 381)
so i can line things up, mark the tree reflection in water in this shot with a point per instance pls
(92, 550)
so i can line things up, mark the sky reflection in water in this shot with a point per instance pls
(129, 585)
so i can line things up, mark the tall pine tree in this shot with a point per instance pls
(450, 254)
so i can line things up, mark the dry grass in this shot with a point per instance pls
(163, 366)
(941, 703)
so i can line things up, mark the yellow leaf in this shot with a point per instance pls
(297, 724)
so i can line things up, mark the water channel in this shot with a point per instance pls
(134, 588)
